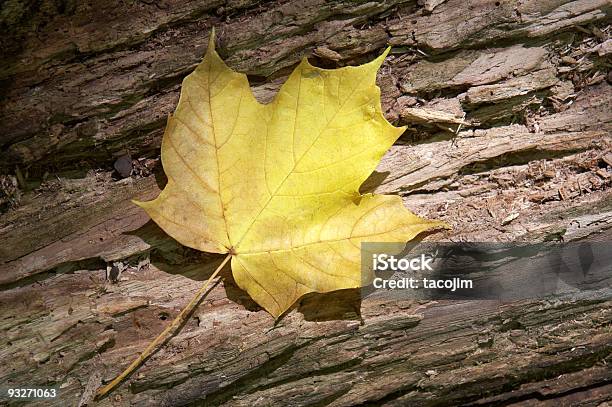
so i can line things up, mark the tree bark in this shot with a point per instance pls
(509, 110)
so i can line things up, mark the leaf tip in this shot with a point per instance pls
(379, 61)
(139, 203)
(444, 225)
(437, 225)
(386, 52)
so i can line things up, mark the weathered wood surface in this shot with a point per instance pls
(85, 83)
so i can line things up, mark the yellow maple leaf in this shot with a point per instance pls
(277, 186)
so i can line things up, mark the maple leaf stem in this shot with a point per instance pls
(164, 336)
